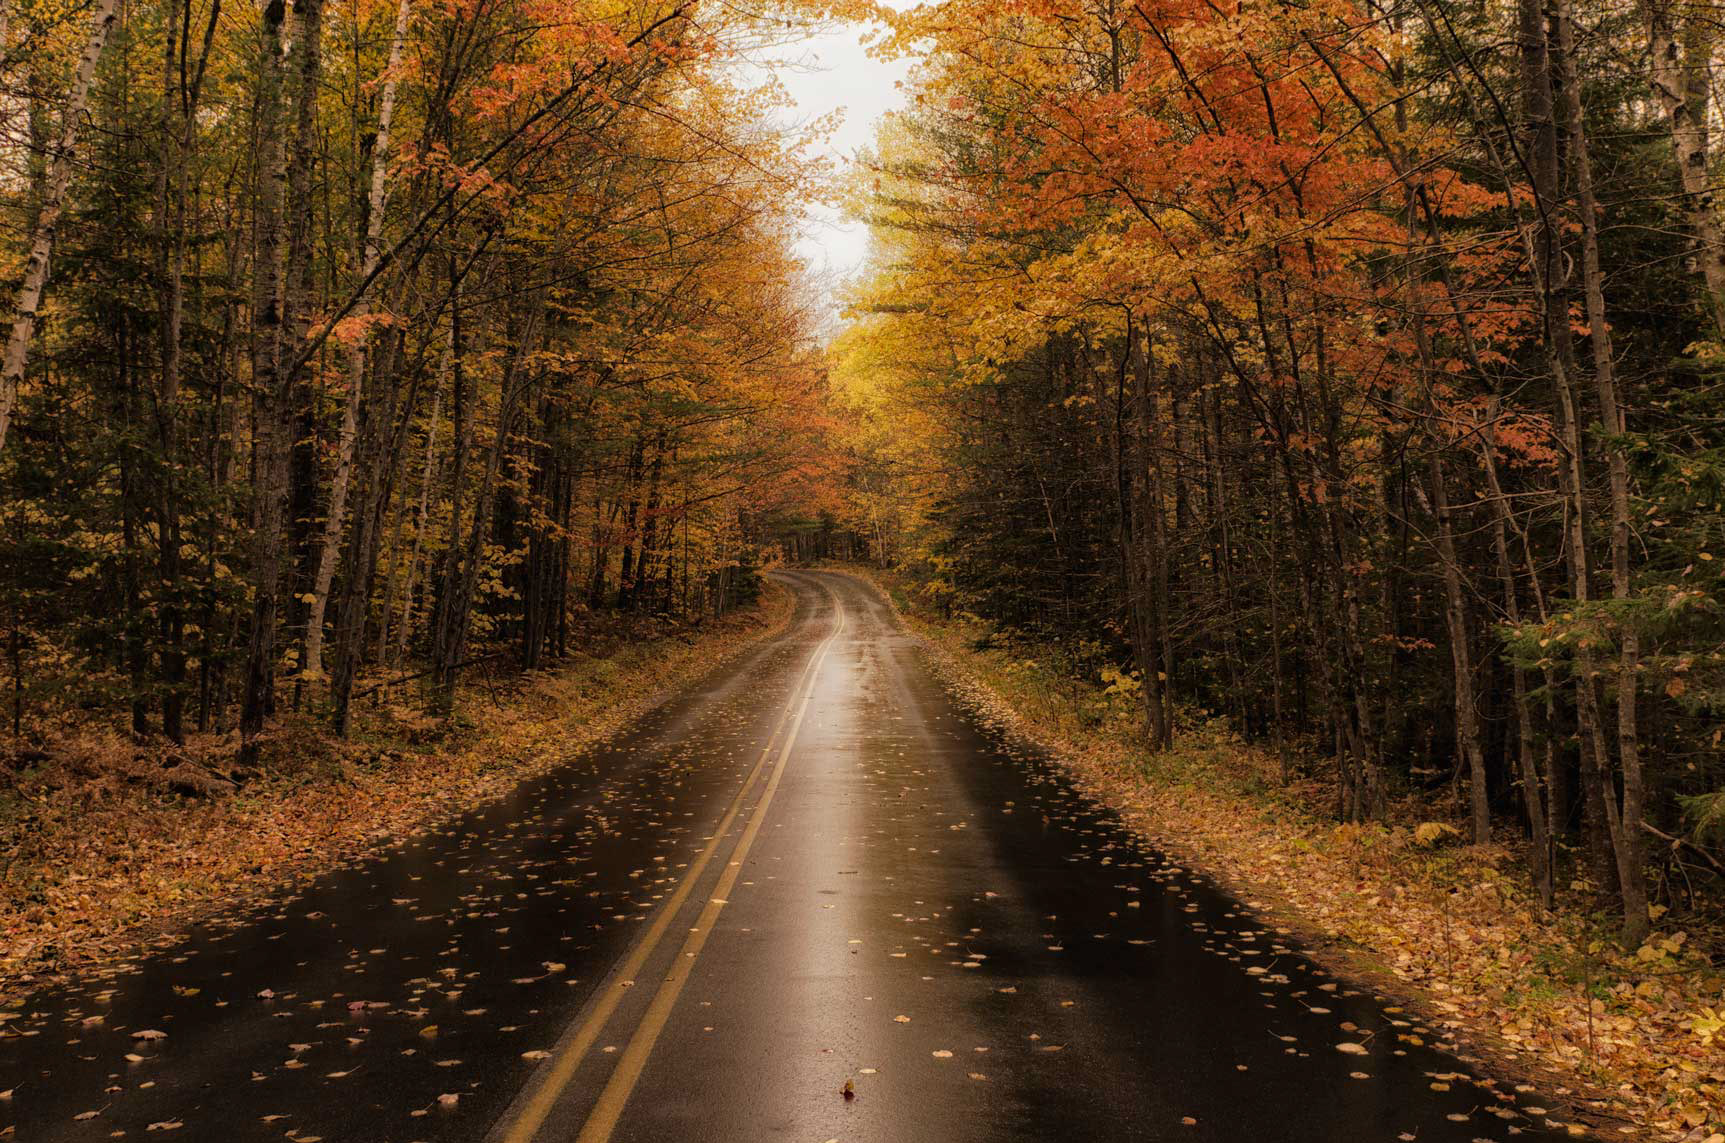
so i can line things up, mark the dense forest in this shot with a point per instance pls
(376, 338)
(1347, 371)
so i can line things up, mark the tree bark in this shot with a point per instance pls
(329, 539)
(27, 304)
(451, 636)
(278, 281)
(1535, 792)
(1627, 837)
(1679, 76)
(1461, 660)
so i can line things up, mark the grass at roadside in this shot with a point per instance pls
(103, 858)
(1632, 1044)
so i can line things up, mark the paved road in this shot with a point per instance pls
(810, 869)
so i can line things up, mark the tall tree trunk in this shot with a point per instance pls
(1461, 659)
(278, 281)
(1534, 791)
(422, 511)
(385, 431)
(1143, 536)
(27, 304)
(1624, 820)
(329, 540)
(1546, 259)
(1680, 39)
(451, 636)
(181, 86)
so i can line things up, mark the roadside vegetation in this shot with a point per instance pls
(389, 392)
(1350, 371)
(1623, 1042)
(398, 338)
(1312, 415)
(111, 846)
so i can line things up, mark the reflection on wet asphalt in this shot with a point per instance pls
(920, 910)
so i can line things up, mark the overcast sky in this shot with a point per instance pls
(833, 72)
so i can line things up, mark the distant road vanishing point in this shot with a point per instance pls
(808, 899)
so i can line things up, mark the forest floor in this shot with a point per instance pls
(109, 849)
(1631, 1043)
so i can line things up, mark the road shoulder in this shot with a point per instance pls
(1534, 998)
(111, 870)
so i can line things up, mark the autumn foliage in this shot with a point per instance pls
(382, 339)
(1329, 368)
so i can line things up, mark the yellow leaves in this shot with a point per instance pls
(1661, 950)
(1507, 968)
(1428, 834)
(1123, 683)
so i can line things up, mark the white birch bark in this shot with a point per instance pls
(1679, 75)
(28, 303)
(329, 542)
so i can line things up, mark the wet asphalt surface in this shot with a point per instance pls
(911, 905)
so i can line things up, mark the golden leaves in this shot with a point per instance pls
(1652, 1038)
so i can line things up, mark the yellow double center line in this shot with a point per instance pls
(602, 1120)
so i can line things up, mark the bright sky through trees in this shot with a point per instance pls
(829, 72)
(1334, 386)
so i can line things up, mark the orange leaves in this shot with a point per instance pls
(354, 329)
(1236, 169)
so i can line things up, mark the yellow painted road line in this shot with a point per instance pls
(602, 1121)
(557, 1074)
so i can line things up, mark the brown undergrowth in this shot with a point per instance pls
(109, 848)
(1627, 1044)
